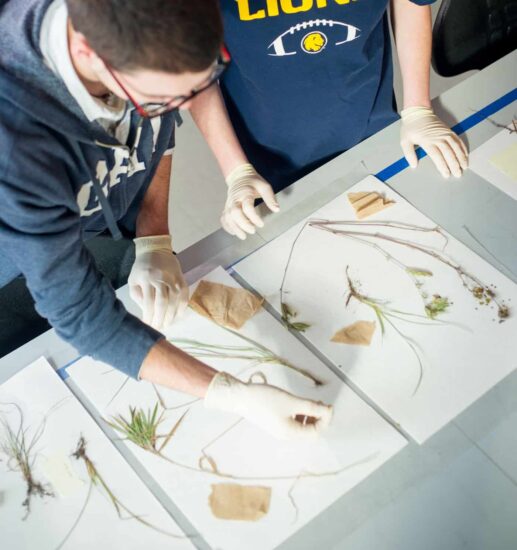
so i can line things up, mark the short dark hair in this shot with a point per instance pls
(173, 36)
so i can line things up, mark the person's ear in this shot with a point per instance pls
(81, 49)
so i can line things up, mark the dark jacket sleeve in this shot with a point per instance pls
(40, 232)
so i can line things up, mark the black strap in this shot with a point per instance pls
(177, 118)
(107, 211)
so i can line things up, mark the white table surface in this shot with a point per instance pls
(459, 490)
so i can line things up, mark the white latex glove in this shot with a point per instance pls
(244, 186)
(156, 281)
(420, 126)
(270, 408)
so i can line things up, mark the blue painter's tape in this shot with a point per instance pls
(62, 372)
(466, 124)
(484, 113)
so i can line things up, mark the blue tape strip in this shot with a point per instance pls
(62, 371)
(466, 124)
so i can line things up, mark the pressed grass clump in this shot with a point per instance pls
(19, 449)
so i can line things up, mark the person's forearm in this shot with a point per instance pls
(153, 218)
(210, 115)
(171, 367)
(412, 29)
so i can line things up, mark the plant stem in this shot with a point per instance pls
(255, 352)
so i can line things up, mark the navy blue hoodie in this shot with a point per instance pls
(64, 179)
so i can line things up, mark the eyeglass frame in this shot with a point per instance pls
(221, 64)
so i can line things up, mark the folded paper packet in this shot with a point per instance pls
(225, 305)
(359, 333)
(239, 502)
(367, 203)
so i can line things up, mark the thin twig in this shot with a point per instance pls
(79, 516)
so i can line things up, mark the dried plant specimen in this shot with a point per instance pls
(239, 502)
(252, 351)
(96, 480)
(371, 234)
(387, 316)
(19, 448)
(227, 306)
(359, 333)
(141, 428)
(471, 283)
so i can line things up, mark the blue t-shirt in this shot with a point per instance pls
(309, 79)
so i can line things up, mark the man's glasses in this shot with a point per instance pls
(151, 110)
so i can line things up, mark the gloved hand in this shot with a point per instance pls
(156, 282)
(270, 408)
(244, 186)
(420, 126)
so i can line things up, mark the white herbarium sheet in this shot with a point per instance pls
(421, 372)
(356, 444)
(53, 421)
(496, 161)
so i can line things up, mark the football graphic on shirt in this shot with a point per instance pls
(312, 37)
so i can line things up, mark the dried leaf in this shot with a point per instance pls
(419, 272)
(300, 327)
(172, 432)
(359, 333)
(288, 313)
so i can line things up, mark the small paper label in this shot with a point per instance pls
(58, 470)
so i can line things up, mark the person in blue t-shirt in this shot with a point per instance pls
(310, 79)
